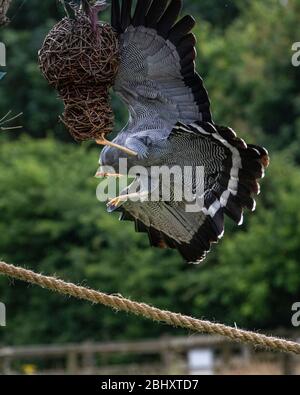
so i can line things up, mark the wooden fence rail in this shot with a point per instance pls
(171, 356)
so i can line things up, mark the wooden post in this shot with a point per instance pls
(172, 360)
(6, 366)
(226, 354)
(288, 365)
(246, 354)
(88, 358)
(72, 362)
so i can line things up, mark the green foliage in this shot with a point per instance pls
(249, 74)
(257, 279)
(218, 12)
(52, 222)
(248, 42)
(23, 39)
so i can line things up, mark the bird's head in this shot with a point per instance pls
(108, 156)
(109, 161)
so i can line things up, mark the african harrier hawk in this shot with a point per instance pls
(170, 124)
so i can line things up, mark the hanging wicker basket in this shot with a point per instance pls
(81, 63)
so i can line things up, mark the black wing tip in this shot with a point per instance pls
(193, 252)
(140, 13)
(162, 15)
(116, 16)
(238, 183)
(209, 233)
(169, 18)
(254, 161)
(197, 249)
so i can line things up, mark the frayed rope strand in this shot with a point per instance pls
(149, 312)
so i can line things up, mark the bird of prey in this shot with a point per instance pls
(170, 124)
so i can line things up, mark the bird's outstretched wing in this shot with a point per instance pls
(232, 170)
(164, 94)
(157, 72)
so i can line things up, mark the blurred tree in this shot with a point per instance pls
(28, 15)
(257, 279)
(249, 74)
(39, 103)
(219, 12)
(247, 66)
(52, 223)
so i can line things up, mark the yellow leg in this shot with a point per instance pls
(123, 198)
(100, 174)
(127, 151)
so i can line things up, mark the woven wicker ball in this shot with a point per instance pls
(89, 118)
(81, 63)
(74, 53)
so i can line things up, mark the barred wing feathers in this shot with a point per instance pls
(158, 60)
(232, 170)
(158, 81)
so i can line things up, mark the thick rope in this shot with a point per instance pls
(146, 311)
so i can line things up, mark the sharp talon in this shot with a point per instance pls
(114, 202)
(127, 151)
